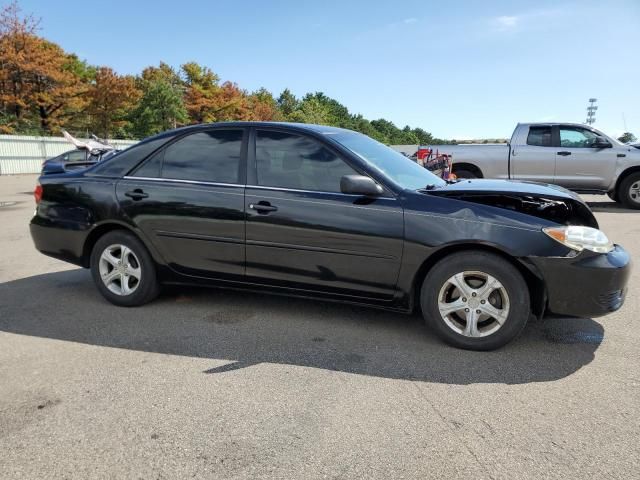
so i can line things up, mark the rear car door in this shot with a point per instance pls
(578, 164)
(302, 232)
(533, 156)
(188, 199)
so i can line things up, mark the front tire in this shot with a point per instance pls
(123, 270)
(475, 300)
(629, 191)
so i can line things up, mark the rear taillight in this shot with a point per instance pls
(37, 193)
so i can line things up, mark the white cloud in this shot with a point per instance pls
(410, 20)
(507, 22)
(527, 20)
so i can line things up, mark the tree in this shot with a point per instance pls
(111, 96)
(201, 93)
(263, 107)
(627, 137)
(162, 104)
(311, 110)
(15, 32)
(161, 108)
(287, 103)
(37, 80)
(231, 103)
(336, 114)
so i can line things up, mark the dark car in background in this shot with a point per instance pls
(74, 160)
(325, 212)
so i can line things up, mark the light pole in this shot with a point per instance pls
(591, 111)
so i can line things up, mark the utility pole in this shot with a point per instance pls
(591, 111)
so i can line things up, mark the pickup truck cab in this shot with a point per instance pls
(574, 156)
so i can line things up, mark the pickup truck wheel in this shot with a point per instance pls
(465, 174)
(629, 191)
(613, 196)
(123, 270)
(475, 300)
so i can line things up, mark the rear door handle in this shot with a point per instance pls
(136, 194)
(564, 154)
(621, 155)
(263, 207)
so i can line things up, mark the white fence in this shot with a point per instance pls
(23, 154)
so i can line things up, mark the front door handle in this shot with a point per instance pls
(263, 207)
(621, 155)
(136, 194)
(564, 154)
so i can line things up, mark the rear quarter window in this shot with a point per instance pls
(122, 163)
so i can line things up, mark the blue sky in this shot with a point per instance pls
(459, 69)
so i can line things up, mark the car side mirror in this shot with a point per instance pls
(360, 185)
(601, 143)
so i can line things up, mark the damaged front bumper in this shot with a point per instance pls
(586, 285)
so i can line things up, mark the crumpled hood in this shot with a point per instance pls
(508, 187)
(551, 202)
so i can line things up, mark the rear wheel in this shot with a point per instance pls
(475, 300)
(629, 191)
(613, 195)
(123, 270)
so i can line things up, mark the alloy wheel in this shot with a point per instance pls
(120, 269)
(473, 304)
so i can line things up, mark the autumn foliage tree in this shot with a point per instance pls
(110, 98)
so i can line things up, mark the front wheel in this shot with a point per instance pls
(123, 270)
(475, 300)
(629, 191)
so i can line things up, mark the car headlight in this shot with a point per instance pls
(580, 238)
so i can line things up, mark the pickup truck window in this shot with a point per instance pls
(572, 137)
(539, 136)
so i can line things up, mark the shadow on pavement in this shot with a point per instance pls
(246, 329)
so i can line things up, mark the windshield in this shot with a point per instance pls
(398, 168)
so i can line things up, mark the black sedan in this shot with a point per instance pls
(325, 212)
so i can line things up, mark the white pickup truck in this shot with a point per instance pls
(575, 156)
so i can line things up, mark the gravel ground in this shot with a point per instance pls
(218, 384)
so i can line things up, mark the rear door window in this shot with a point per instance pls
(212, 156)
(539, 136)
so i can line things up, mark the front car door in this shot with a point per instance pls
(303, 233)
(579, 166)
(188, 200)
(533, 157)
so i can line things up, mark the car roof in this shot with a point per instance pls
(322, 129)
(568, 124)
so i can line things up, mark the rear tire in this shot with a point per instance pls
(123, 270)
(629, 191)
(488, 310)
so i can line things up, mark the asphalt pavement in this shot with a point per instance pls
(207, 383)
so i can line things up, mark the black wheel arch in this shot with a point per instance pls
(532, 277)
(469, 167)
(109, 226)
(623, 175)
